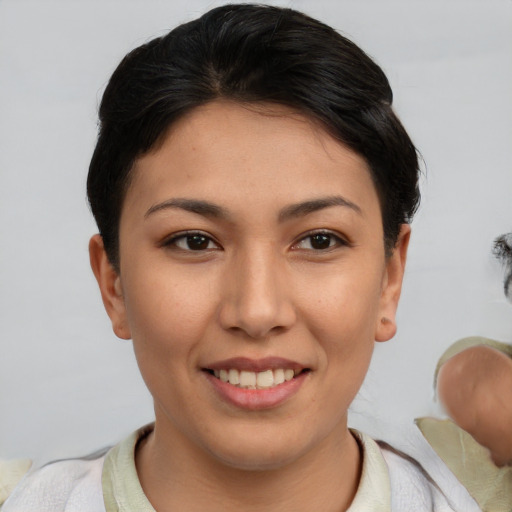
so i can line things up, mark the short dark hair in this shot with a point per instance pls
(251, 53)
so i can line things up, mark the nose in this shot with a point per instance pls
(257, 299)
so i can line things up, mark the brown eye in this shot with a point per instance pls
(320, 242)
(193, 242)
(197, 242)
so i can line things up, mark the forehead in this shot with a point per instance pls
(258, 154)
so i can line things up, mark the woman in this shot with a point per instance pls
(253, 190)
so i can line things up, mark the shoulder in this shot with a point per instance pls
(431, 487)
(392, 481)
(410, 483)
(68, 485)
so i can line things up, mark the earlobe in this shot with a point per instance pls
(392, 287)
(110, 286)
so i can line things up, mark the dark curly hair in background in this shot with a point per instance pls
(503, 251)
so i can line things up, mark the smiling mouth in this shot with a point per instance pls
(256, 380)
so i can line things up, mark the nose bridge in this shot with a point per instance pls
(258, 300)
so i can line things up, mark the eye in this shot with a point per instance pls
(320, 241)
(193, 241)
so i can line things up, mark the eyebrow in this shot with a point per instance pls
(307, 207)
(207, 209)
(204, 208)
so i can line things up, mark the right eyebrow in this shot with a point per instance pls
(204, 208)
(314, 205)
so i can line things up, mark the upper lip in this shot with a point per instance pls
(255, 365)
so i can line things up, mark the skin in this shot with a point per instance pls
(475, 387)
(258, 289)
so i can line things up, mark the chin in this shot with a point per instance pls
(260, 451)
(256, 460)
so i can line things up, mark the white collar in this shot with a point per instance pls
(122, 491)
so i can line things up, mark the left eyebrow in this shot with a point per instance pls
(307, 207)
(204, 208)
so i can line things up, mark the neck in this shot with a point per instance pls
(176, 478)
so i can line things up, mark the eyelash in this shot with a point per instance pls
(187, 237)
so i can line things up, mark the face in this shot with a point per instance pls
(253, 281)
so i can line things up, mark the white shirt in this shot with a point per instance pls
(389, 482)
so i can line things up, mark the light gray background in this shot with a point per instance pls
(67, 385)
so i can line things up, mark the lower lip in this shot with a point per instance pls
(257, 399)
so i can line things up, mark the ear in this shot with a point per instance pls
(111, 290)
(392, 286)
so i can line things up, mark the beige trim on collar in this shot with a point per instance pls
(122, 491)
(374, 491)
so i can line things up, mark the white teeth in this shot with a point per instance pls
(278, 376)
(247, 379)
(265, 379)
(234, 376)
(255, 380)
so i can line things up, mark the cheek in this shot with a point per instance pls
(167, 314)
(344, 305)
(342, 317)
(168, 318)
